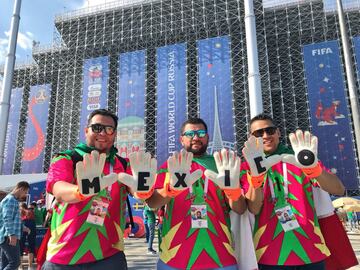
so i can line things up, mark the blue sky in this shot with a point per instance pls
(36, 23)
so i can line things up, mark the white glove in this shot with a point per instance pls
(143, 176)
(179, 169)
(254, 154)
(228, 167)
(305, 147)
(227, 178)
(89, 174)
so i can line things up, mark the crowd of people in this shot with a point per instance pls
(192, 193)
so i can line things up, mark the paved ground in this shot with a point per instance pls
(138, 259)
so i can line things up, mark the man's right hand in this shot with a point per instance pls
(253, 152)
(179, 165)
(89, 175)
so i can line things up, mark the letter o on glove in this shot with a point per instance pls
(306, 157)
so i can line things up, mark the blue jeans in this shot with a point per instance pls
(147, 232)
(10, 255)
(310, 266)
(151, 235)
(115, 262)
(162, 266)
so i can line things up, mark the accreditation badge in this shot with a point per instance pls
(286, 218)
(199, 216)
(97, 213)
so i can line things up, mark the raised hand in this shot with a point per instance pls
(305, 147)
(143, 176)
(89, 174)
(253, 152)
(179, 165)
(227, 178)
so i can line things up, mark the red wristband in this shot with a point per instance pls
(79, 196)
(256, 181)
(313, 172)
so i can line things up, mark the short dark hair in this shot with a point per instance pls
(262, 116)
(105, 113)
(193, 121)
(22, 185)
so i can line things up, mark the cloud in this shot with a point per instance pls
(3, 49)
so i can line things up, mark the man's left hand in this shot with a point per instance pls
(305, 147)
(227, 178)
(143, 176)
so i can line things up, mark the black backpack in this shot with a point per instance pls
(76, 157)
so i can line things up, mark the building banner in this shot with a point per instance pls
(95, 77)
(35, 134)
(216, 106)
(329, 111)
(131, 102)
(171, 99)
(12, 130)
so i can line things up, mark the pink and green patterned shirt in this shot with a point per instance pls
(75, 241)
(301, 246)
(183, 247)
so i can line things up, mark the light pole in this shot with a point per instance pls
(8, 77)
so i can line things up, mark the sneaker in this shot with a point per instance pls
(151, 251)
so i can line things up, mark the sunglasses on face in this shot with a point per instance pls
(260, 132)
(98, 128)
(191, 133)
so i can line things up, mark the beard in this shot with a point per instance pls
(197, 152)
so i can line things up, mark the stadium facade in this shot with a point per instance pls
(283, 29)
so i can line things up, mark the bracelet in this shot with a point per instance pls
(313, 172)
(256, 181)
(233, 193)
(144, 195)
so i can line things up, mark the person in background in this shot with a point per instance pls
(11, 226)
(40, 213)
(146, 225)
(151, 220)
(160, 214)
(28, 234)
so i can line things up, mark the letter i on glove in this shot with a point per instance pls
(305, 147)
(227, 178)
(253, 152)
(89, 174)
(180, 178)
(142, 180)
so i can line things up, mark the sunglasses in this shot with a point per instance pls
(268, 130)
(98, 128)
(191, 133)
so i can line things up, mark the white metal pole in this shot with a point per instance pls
(255, 93)
(354, 100)
(8, 77)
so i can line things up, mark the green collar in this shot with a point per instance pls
(281, 149)
(82, 149)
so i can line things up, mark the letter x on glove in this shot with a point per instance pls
(253, 152)
(143, 176)
(227, 178)
(179, 173)
(89, 173)
(305, 147)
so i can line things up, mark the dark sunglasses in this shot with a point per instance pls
(97, 128)
(268, 130)
(191, 133)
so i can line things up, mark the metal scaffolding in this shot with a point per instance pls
(108, 30)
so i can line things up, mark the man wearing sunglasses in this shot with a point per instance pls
(79, 239)
(283, 179)
(188, 242)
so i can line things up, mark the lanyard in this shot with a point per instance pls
(286, 184)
